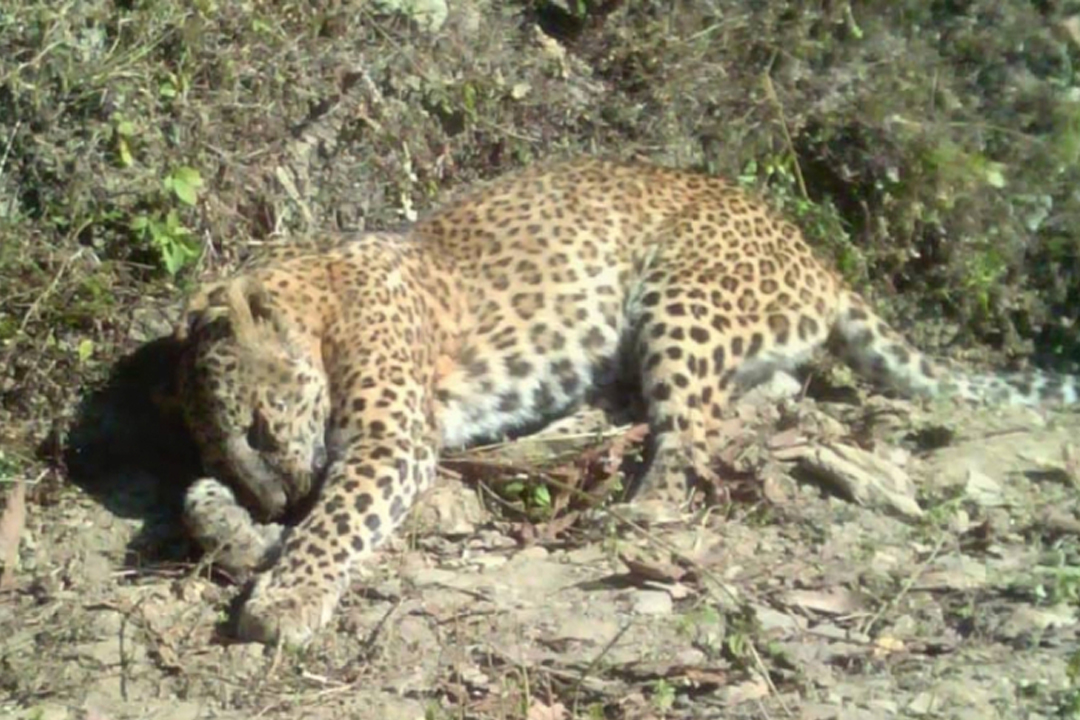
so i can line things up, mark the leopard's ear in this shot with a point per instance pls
(242, 302)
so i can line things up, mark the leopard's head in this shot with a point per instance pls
(254, 395)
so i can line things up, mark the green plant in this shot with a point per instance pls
(164, 232)
(163, 229)
(9, 467)
(595, 711)
(986, 270)
(706, 629)
(529, 495)
(1059, 584)
(663, 695)
(184, 182)
(1068, 703)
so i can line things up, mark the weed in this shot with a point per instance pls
(1068, 703)
(663, 695)
(528, 495)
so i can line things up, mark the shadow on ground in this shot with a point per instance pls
(130, 451)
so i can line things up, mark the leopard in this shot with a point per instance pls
(345, 373)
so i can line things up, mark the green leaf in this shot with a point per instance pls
(85, 350)
(542, 496)
(124, 151)
(1072, 670)
(468, 97)
(176, 253)
(995, 175)
(185, 182)
(173, 226)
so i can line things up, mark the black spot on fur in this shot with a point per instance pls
(509, 402)
(718, 357)
(363, 502)
(756, 342)
(517, 367)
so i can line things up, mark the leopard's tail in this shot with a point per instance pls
(880, 354)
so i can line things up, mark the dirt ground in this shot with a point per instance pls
(945, 593)
(869, 558)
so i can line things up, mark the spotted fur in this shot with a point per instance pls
(503, 310)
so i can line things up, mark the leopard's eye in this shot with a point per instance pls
(259, 436)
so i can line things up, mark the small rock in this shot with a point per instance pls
(954, 573)
(831, 601)
(1027, 619)
(776, 485)
(428, 14)
(648, 512)
(819, 711)
(691, 657)
(108, 623)
(652, 602)
(491, 540)
(536, 552)
(432, 576)
(886, 705)
(488, 562)
(905, 626)
(43, 712)
(983, 490)
(770, 620)
(754, 689)
(151, 323)
(677, 591)
(835, 632)
(959, 522)
(247, 655)
(452, 510)
(474, 677)
(923, 704)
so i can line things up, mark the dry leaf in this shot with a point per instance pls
(707, 676)
(754, 689)
(953, 574)
(620, 445)
(792, 437)
(648, 567)
(12, 522)
(774, 490)
(835, 601)
(887, 645)
(539, 711)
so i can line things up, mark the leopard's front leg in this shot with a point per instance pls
(383, 454)
(367, 493)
